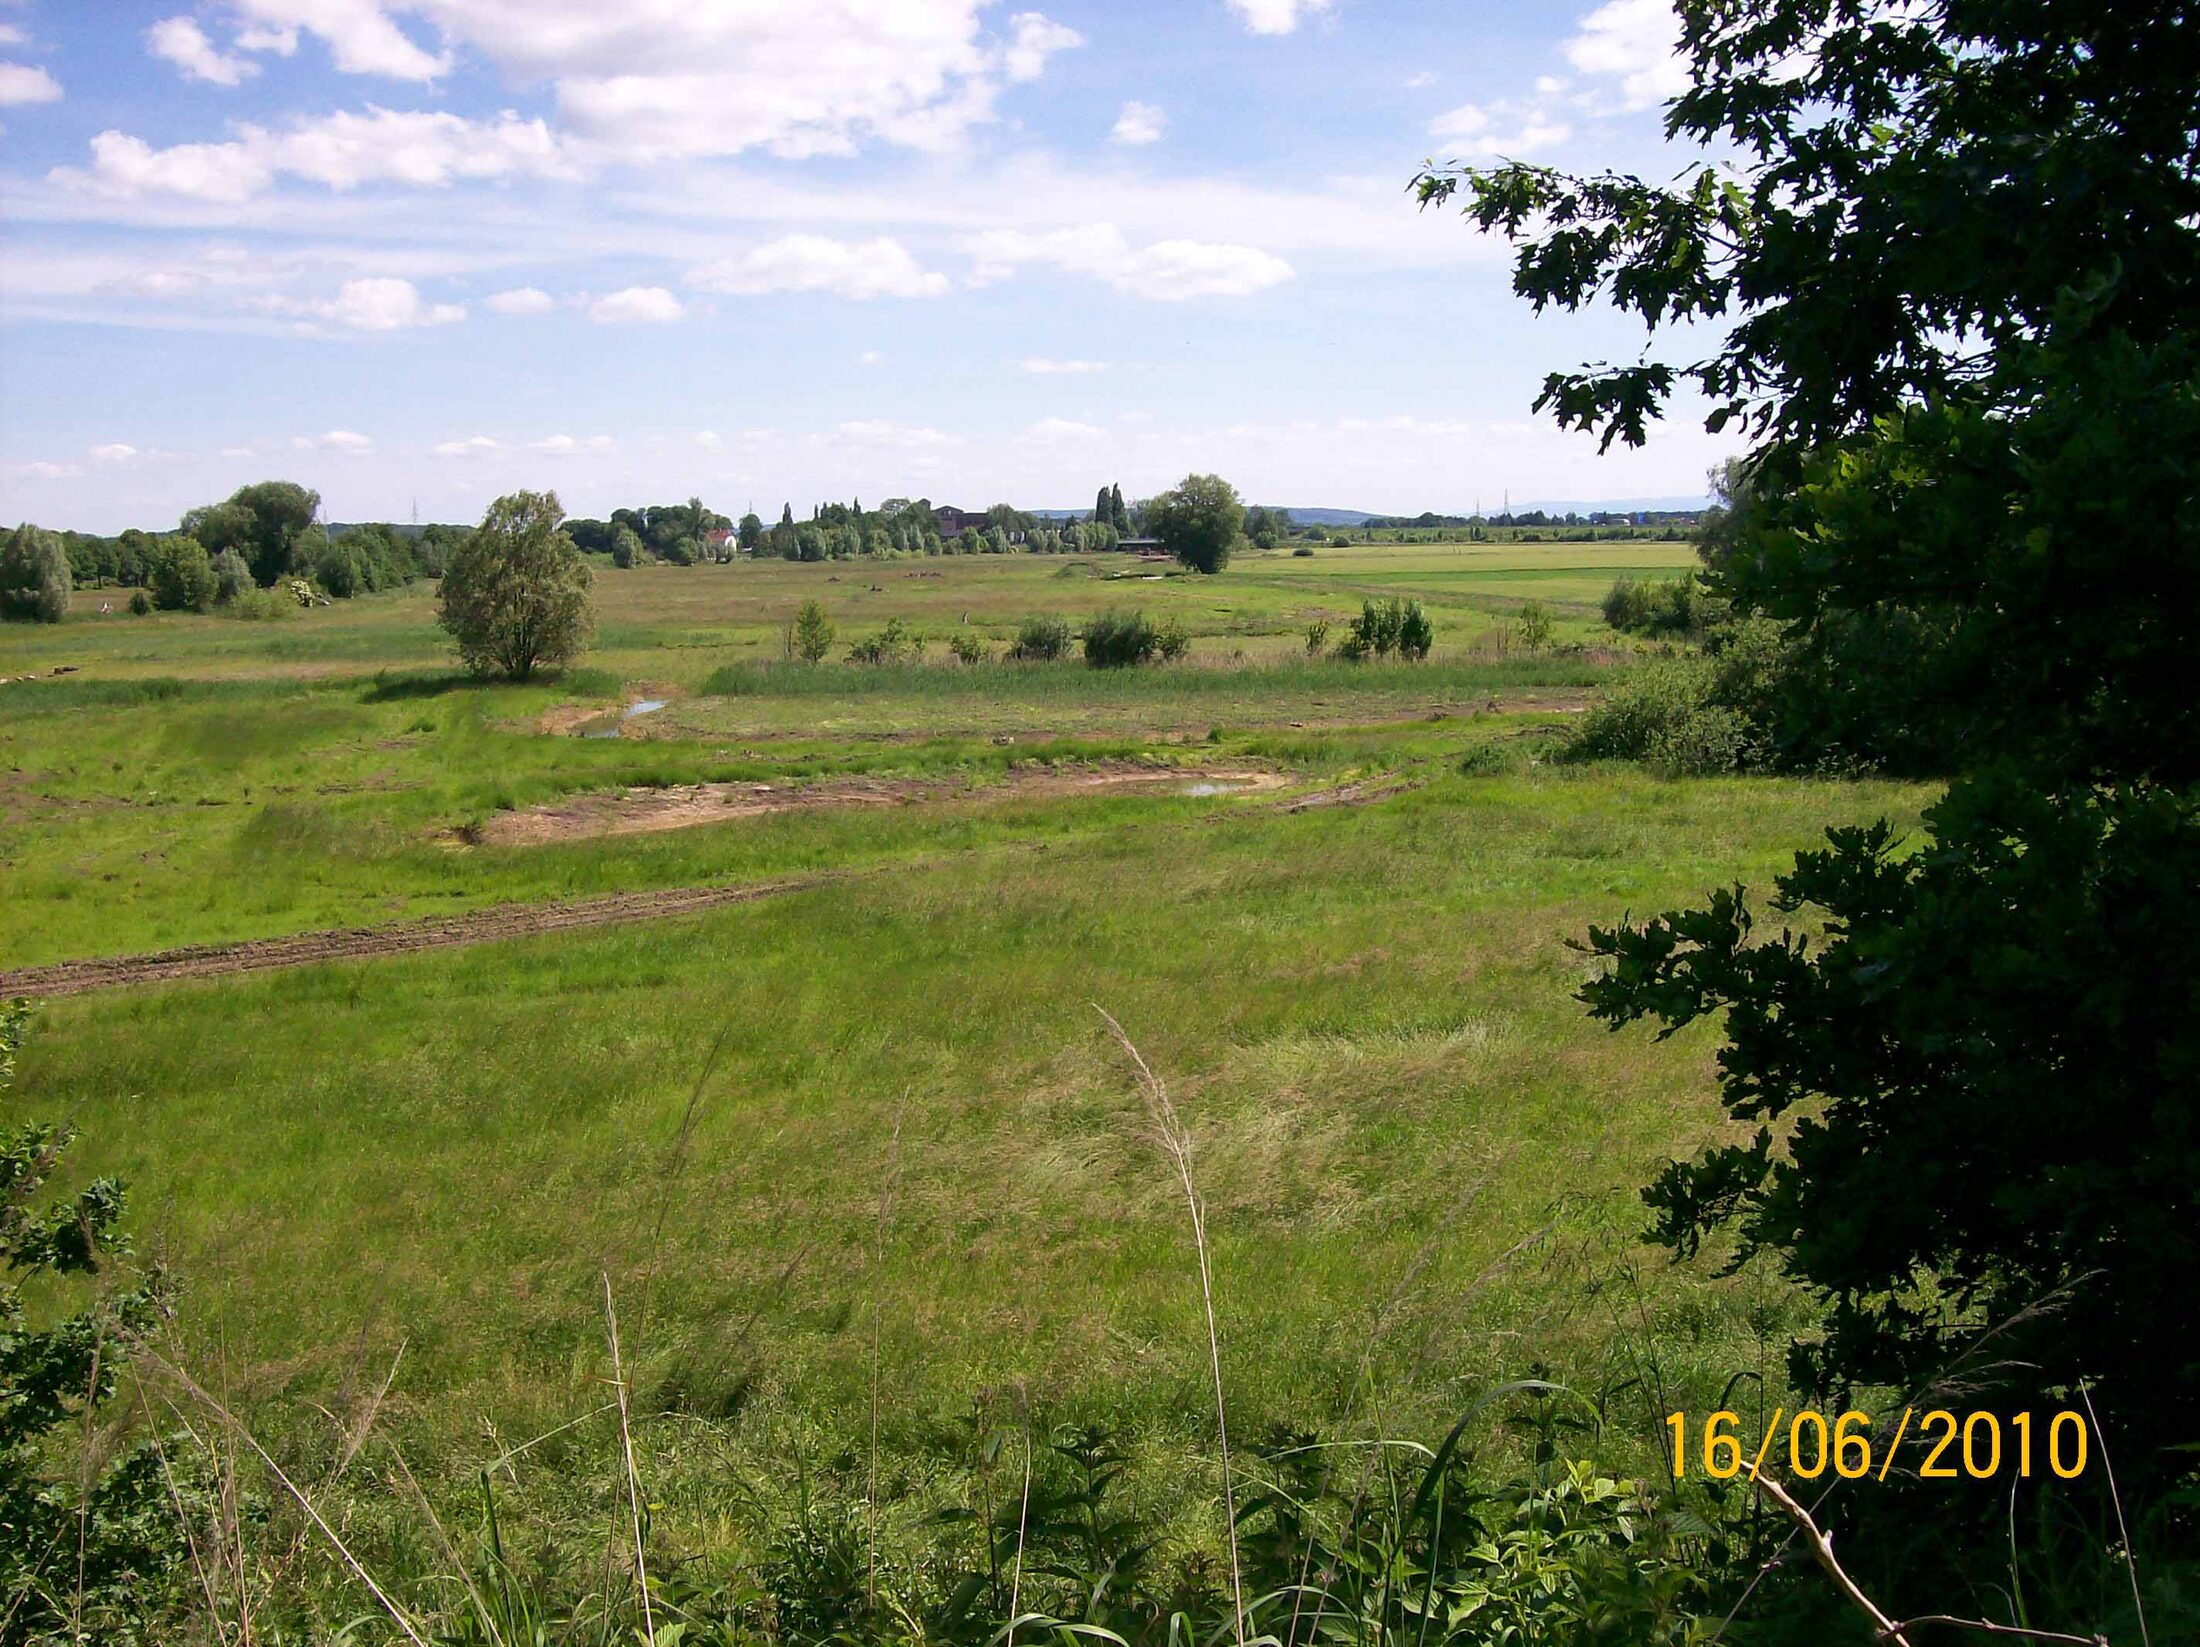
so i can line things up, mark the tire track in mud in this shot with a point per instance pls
(479, 926)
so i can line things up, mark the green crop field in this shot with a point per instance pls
(880, 1113)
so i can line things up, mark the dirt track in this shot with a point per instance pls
(306, 948)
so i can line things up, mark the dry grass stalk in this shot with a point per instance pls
(633, 1480)
(1176, 1143)
(1886, 1629)
(304, 1501)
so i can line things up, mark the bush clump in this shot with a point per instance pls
(1041, 640)
(1387, 626)
(1120, 639)
(1656, 607)
(896, 643)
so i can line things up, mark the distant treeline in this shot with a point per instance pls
(1538, 517)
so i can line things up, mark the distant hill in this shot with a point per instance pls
(1360, 517)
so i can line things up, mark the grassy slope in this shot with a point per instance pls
(1365, 1011)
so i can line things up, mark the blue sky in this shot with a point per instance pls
(774, 250)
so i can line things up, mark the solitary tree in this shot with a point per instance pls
(751, 532)
(180, 576)
(515, 595)
(813, 632)
(1199, 521)
(34, 576)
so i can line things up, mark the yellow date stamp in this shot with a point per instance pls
(1976, 1446)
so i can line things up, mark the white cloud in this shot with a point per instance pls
(471, 447)
(523, 300)
(815, 263)
(1033, 40)
(645, 305)
(1043, 367)
(1636, 43)
(380, 303)
(880, 432)
(871, 357)
(709, 440)
(50, 471)
(258, 37)
(23, 83)
(1138, 123)
(336, 440)
(1050, 430)
(115, 453)
(1166, 271)
(239, 452)
(341, 150)
(179, 40)
(360, 36)
(666, 78)
(1424, 77)
(568, 446)
(1275, 16)
(10, 35)
(1503, 129)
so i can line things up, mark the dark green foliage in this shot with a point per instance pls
(107, 1514)
(2006, 1109)
(1388, 626)
(1534, 625)
(263, 522)
(1119, 639)
(34, 576)
(179, 575)
(515, 596)
(141, 603)
(337, 569)
(1199, 521)
(896, 643)
(1041, 640)
(1656, 607)
(1266, 528)
(626, 546)
(1954, 277)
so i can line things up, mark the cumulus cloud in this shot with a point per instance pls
(342, 151)
(1506, 129)
(708, 439)
(1166, 271)
(569, 446)
(115, 453)
(179, 40)
(472, 446)
(336, 440)
(1138, 123)
(710, 77)
(380, 303)
(523, 300)
(1275, 16)
(816, 263)
(360, 35)
(1044, 367)
(50, 471)
(25, 83)
(871, 357)
(1635, 42)
(637, 305)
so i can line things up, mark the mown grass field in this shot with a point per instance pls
(1419, 1156)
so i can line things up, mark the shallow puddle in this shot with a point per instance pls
(609, 726)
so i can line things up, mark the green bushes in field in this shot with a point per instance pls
(1041, 640)
(969, 648)
(810, 634)
(1656, 607)
(896, 643)
(1533, 625)
(179, 575)
(1386, 627)
(1120, 639)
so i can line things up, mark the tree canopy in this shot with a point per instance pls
(1199, 521)
(34, 576)
(1954, 271)
(515, 595)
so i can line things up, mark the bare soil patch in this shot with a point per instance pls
(682, 806)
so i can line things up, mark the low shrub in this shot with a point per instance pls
(1388, 626)
(1534, 626)
(1669, 714)
(1656, 606)
(969, 649)
(1120, 639)
(1172, 640)
(1317, 637)
(896, 643)
(140, 603)
(1041, 640)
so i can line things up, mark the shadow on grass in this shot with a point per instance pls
(388, 687)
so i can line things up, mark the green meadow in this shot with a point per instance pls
(867, 1151)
